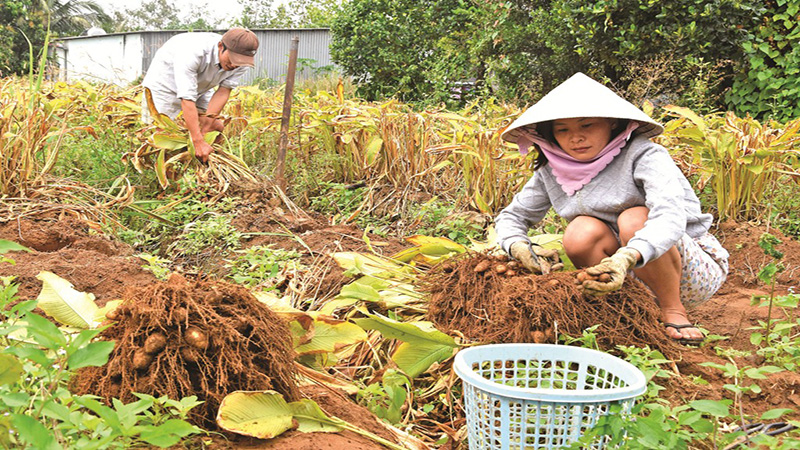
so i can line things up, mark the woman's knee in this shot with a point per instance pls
(587, 234)
(630, 221)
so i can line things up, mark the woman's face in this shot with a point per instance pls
(583, 137)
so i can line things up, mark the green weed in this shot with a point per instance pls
(155, 265)
(210, 231)
(256, 266)
(386, 399)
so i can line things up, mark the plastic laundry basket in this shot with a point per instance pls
(541, 396)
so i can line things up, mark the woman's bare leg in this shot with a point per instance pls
(662, 275)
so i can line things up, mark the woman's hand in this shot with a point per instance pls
(534, 257)
(616, 266)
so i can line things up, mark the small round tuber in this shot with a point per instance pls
(482, 266)
(549, 334)
(604, 278)
(500, 268)
(190, 354)
(553, 282)
(511, 273)
(196, 337)
(155, 343)
(539, 337)
(141, 359)
(112, 314)
(513, 265)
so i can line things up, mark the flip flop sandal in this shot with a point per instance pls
(685, 341)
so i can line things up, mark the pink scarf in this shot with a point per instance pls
(573, 174)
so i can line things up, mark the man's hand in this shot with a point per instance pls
(190, 115)
(616, 266)
(202, 149)
(534, 257)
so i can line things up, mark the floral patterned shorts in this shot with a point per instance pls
(705, 267)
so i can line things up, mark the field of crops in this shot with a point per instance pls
(153, 300)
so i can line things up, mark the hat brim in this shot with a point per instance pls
(241, 60)
(580, 96)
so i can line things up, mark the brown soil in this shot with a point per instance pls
(91, 262)
(212, 338)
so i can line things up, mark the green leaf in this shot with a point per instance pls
(11, 246)
(56, 411)
(331, 335)
(93, 355)
(63, 303)
(366, 264)
(259, 414)
(311, 419)
(373, 148)
(423, 343)
(10, 369)
(359, 291)
(414, 359)
(411, 332)
(169, 141)
(34, 433)
(44, 332)
(773, 414)
(169, 433)
(713, 407)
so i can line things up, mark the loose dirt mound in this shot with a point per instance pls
(747, 258)
(91, 262)
(183, 338)
(491, 307)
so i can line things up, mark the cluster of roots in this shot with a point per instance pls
(181, 338)
(491, 307)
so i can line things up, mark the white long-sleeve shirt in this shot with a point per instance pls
(643, 174)
(187, 67)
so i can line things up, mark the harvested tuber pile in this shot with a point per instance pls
(202, 338)
(486, 301)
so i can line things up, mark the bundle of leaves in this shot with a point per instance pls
(470, 295)
(203, 338)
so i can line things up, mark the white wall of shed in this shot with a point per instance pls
(113, 59)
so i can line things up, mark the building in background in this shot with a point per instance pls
(123, 58)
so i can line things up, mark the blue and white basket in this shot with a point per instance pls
(541, 396)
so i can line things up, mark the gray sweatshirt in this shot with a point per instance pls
(643, 174)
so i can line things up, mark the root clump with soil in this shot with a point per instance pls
(203, 338)
(476, 296)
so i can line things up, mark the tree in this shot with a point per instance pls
(408, 49)
(647, 48)
(72, 17)
(160, 15)
(768, 85)
(20, 22)
(296, 14)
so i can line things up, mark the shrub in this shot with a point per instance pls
(768, 85)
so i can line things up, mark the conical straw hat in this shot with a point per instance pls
(581, 96)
